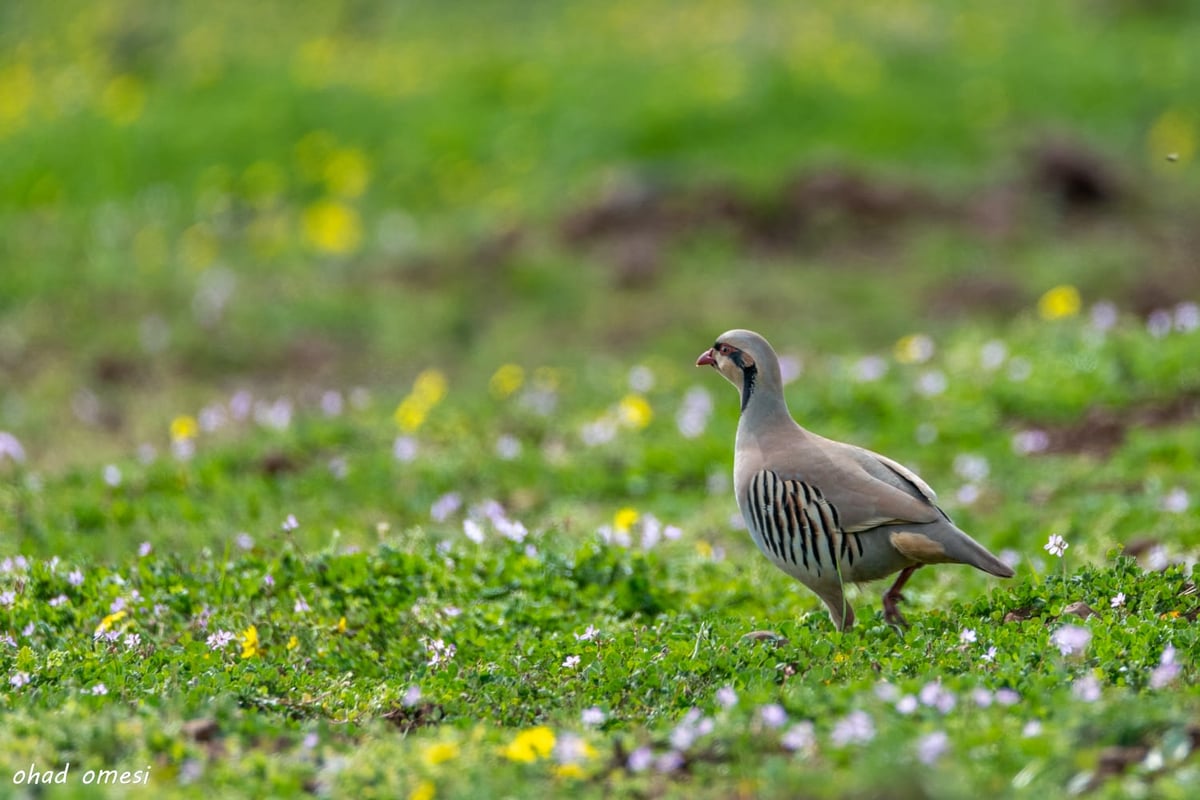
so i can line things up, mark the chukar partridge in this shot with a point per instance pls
(825, 512)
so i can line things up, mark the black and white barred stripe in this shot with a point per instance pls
(794, 523)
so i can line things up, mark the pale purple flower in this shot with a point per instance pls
(726, 697)
(445, 505)
(982, 697)
(8, 597)
(1071, 639)
(244, 541)
(269, 580)
(112, 475)
(75, 577)
(570, 748)
(672, 532)
(669, 762)
(310, 741)
(57, 601)
(641, 378)
(28, 630)
(931, 382)
(968, 636)
(870, 368)
(1187, 317)
(1056, 546)
(1159, 323)
(439, 652)
(1166, 671)
(132, 640)
(144, 549)
(772, 715)
(511, 529)
(19, 679)
(571, 662)
(1086, 689)
(10, 448)
(1010, 557)
(1032, 728)
(1157, 558)
(118, 604)
(6, 638)
(693, 725)
(886, 692)
(790, 368)
(989, 656)
(967, 494)
(1019, 369)
(932, 746)
(332, 403)
(412, 696)
(800, 736)
(906, 705)
(592, 716)
(934, 695)
(971, 467)
(98, 690)
(993, 354)
(508, 447)
(589, 634)
(856, 727)
(651, 531)
(404, 449)
(693, 414)
(301, 605)
(1176, 501)
(640, 759)
(277, 415)
(290, 523)
(1117, 601)
(1033, 441)
(219, 640)
(1104, 316)
(1007, 697)
(598, 432)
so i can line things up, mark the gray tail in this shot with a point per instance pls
(961, 548)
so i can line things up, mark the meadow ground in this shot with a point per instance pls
(350, 442)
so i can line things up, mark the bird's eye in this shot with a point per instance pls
(724, 349)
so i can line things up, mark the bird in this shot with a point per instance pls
(825, 512)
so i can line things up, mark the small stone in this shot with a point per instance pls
(1080, 609)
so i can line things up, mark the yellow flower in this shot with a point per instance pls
(634, 411)
(423, 791)
(625, 519)
(530, 745)
(1059, 302)
(704, 549)
(250, 647)
(18, 89)
(341, 626)
(569, 771)
(184, 427)
(428, 390)
(332, 227)
(107, 622)
(440, 753)
(293, 643)
(506, 380)
(916, 348)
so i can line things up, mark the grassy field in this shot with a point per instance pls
(350, 442)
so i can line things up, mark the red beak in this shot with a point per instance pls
(706, 358)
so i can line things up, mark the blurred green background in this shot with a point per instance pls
(198, 197)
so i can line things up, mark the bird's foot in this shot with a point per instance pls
(891, 613)
(769, 637)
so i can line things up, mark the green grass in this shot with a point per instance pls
(233, 236)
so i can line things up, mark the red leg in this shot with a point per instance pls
(891, 614)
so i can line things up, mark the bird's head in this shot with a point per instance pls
(743, 358)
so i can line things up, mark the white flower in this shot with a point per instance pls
(592, 716)
(906, 705)
(970, 467)
(1117, 601)
(75, 577)
(332, 403)
(218, 640)
(935, 695)
(1007, 697)
(244, 541)
(473, 531)
(968, 636)
(290, 523)
(589, 634)
(982, 697)
(571, 662)
(640, 759)
(508, 447)
(931, 383)
(1056, 546)
(404, 449)
(99, 689)
(411, 697)
(1032, 728)
(870, 368)
(10, 448)
(7, 598)
(993, 355)
(112, 475)
(1176, 501)
(931, 746)
(1032, 441)
(1071, 639)
(439, 652)
(989, 656)
(132, 640)
(886, 692)
(301, 605)
(19, 679)
(445, 505)
(144, 549)
(641, 379)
